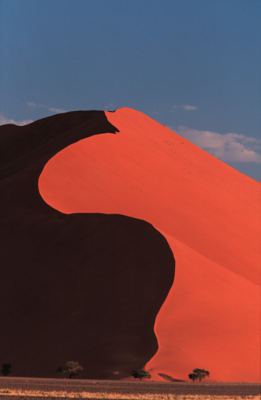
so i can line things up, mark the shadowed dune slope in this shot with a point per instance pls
(210, 215)
(83, 287)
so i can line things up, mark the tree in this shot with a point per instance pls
(70, 369)
(6, 369)
(140, 374)
(192, 376)
(198, 374)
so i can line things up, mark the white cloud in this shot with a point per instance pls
(186, 107)
(4, 120)
(233, 147)
(54, 110)
(189, 107)
(110, 106)
(32, 104)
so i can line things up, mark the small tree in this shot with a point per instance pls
(140, 374)
(192, 376)
(6, 369)
(198, 374)
(71, 369)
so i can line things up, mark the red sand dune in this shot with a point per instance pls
(210, 215)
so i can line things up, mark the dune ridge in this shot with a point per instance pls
(210, 215)
(73, 286)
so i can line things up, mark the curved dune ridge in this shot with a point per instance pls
(210, 215)
(83, 287)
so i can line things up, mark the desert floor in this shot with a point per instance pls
(40, 388)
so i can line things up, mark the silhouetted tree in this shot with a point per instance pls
(140, 374)
(6, 369)
(70, 369)
(198, 374)
(192, 376)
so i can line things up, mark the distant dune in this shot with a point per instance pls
(94, 281)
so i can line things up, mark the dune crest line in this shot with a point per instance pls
(79, 286)
(209, 214)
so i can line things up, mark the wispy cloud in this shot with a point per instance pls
(54, 110)
(233, 147)
(109, 106)
(5, 120)
(32, 104)
(185, 107)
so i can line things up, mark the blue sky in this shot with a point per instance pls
(191, 64)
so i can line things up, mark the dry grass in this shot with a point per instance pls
(113, 396)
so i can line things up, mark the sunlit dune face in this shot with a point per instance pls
(207, 212)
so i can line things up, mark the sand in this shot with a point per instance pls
(210, 215)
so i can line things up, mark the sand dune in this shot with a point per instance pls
(83, 287)
(210, 215)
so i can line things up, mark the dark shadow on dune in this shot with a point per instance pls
(170, 378)
(83, 287)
